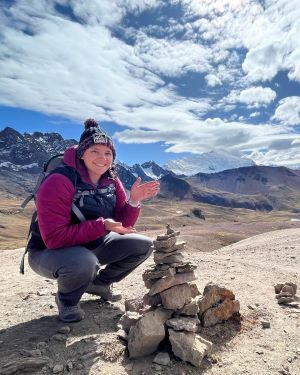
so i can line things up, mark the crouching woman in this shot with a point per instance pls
(84, 220)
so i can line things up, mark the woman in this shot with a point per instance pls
(71, 250)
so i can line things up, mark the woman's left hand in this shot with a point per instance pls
(140, 192)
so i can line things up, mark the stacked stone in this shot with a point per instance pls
(172, 303)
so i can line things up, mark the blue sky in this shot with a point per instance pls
(165, 78)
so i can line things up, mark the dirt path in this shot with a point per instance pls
(251, 267)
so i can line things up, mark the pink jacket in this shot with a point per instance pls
(54, 201)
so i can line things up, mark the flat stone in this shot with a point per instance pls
(162, 358)
(175, 257)
(156, 274)
(189, 346)
(220, 313)
(176, 297)
(285, 300)
(183, 324)
(167, 282)
(186, 267)
(180, 245)
(145, 337)
(164, 243)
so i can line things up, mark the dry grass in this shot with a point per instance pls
(222, 225)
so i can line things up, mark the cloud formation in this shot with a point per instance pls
(196, 82)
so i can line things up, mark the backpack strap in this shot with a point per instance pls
(22, 263)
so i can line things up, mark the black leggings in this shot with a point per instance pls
(75, 267)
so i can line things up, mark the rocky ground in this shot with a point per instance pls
(31, 335)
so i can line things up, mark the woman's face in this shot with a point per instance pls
(97, 159)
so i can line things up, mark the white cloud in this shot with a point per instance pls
(288, 111)
(273, 42)
(51, 64)
(172, 57)
(253, 96)
(212, 80)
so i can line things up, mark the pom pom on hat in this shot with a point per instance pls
(90, 123)
(91, 135)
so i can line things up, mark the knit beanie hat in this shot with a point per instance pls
(93, 135)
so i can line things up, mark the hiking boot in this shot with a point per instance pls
(105, 291)
(69, 314)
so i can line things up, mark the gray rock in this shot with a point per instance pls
(160, 257)
(162, 358)
(164, 243)
(189, 346)
(147, 334)
(183, 324)
(64, 330)
(180, 245)
(167, 282)
(265, 323)
(176, 297)
(156, 274)
(57, 369)
(129, 319)
(190, 309)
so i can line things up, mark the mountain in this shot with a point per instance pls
(255, 187)
(210, 162)
(251, 187)
(22, 158)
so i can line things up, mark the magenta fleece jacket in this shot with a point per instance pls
(54, 201)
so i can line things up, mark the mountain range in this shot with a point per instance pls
(232, 181)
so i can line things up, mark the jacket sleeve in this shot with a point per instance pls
(125, 213)
(54, 202)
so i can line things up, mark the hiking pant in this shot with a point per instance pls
(76, 266)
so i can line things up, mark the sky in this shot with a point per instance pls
(165, 78)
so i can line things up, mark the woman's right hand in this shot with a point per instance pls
(116, 226)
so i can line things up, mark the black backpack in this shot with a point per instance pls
(49, 166)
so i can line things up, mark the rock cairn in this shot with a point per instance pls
(286, 293)
(169, 311)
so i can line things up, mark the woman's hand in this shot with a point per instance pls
(140, 192)
(115, 226)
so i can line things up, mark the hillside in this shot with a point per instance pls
(250, 268)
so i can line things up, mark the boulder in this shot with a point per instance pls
(152, 300)
(220, 313)
(145, 337)
(212, 295)
(176, 297)
(189, 346)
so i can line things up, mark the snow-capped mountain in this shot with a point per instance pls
(24, 155)
(209, 162)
